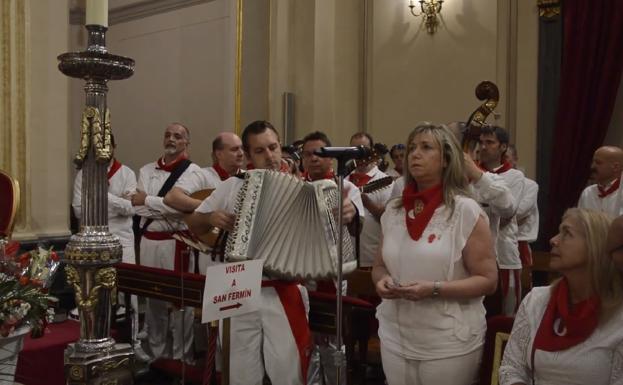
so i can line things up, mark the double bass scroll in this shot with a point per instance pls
(489, 93)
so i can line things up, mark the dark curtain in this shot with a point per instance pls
(592, 60)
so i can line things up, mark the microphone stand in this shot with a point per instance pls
(339, 355)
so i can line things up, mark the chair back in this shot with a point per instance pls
(9, 203)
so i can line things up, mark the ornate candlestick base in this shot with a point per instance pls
(91, 254)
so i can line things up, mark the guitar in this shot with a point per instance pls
(205, 241)
(376, 185)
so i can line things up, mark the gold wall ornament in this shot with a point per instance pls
(429, 10)
(110, 365)
(549, 9)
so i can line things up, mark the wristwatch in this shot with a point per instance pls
(436, 288)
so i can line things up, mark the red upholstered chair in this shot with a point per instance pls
(9, 203)
(498, 329)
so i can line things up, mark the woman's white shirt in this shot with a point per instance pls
(432, 328)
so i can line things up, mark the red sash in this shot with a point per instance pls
(359, 179)
(171, 166)
(116, 165)
(420, 207)
(290, 297)
(561, 327)
(603, 192)
(182, 256)
(221, 172)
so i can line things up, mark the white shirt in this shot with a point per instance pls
(611, 204)
(431, 328)
(528, 213)
(166, 218)
(198, 179)
(596, 361)
(506, 243)
(370, 236)
(120, 211)
(493, 194)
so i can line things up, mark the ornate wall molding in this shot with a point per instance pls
(139, 10)
(549, 9)
(14, 66)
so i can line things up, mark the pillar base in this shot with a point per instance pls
(99, 368)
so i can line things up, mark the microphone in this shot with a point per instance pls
(343, 152)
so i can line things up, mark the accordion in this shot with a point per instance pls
(291, 225)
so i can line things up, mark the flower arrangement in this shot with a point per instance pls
(24, 282)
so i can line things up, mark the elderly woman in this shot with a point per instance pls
(570, 332)
(436, 264)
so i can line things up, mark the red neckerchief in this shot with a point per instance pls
(359, 178)
(429, 200)
(171, 166)
(603, 192)
(562, 328)
(329, 175)
(116, 165)
(500, 170)
(221, 172)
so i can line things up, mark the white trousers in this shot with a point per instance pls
(170, 331)
(263, 340)
(460, 370)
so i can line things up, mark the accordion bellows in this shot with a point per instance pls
(290, 224)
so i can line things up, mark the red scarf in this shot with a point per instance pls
(603, 192)
(329, 175)
(116, 165)
(500, 170)
(428, 200)
(221, 172)
(359, 179)
(171, 166)
(562, 328)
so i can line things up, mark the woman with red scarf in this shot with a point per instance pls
(570, 332)
(436, 264)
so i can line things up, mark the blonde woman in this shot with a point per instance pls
(570, 332)
(436, 264)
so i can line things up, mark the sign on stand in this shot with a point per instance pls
(231, 289)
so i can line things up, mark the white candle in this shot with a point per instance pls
(97, 12)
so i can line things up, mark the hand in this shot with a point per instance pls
(474, 173)
(415, 291)
(385, 288)
(348, 211)
(138, 199)
(222, 219)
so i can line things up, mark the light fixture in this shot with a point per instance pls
(429, 9)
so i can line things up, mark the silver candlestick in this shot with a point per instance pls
(90, 255)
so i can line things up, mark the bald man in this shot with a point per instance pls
(228, 158)
(605, 195)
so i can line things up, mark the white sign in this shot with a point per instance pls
(231, 289)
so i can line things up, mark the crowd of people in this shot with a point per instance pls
(453, 227)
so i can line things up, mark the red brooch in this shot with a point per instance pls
(431, 238)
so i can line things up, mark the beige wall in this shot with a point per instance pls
(185, 62)
(47, 152)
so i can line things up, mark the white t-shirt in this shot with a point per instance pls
(198, 179)
(393, 173)
(432, 328)
(370, 236)
(596, 361)
(611, 204)
(166, 218)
